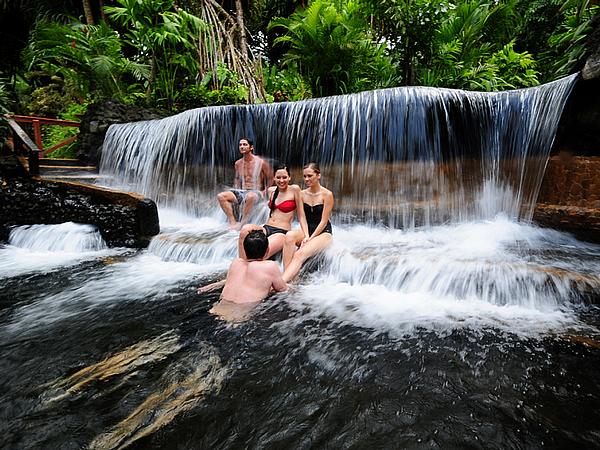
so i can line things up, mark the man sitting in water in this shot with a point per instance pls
(250, 280)
(253, 175)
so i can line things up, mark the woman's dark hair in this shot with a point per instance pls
(256, 244)
(314, 166)
(276, 193)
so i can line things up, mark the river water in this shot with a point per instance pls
(475, 335)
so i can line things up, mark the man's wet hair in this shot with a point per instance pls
(250, 141)
(256, 245)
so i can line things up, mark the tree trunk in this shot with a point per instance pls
(151, 80)
(102, 13)
(240, 20)
(87, 9)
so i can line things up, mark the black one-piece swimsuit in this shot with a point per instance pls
(313, 218)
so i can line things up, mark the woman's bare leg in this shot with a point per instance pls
(293, 239)
(312, 247)
(276, 242)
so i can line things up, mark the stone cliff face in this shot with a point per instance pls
(572, 181)
(569, 198)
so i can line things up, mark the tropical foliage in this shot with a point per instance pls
(163, 40)
(190, 53)
(566, 45)
(55, 134)
(88, 57)
(470, 53)
(333, 49)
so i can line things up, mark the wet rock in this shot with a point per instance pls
(582, 222)
(123, 219)
(591, 69)
(569, 198)
(97, 119)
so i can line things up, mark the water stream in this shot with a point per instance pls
(436, 320)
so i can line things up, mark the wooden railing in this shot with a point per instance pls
(36, 147)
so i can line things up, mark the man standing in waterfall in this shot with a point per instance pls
(253, 175)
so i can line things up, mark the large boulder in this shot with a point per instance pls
(123, 219)
(591, 69)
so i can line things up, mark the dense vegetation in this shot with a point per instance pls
(60, 55)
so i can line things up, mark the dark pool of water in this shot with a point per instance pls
(179, 378)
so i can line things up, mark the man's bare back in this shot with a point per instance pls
(251, 281)
(248, 280)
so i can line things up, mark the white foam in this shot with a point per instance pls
(68, 237)
(43, 248)
(144, 278)
(467, 275)
(401, 313)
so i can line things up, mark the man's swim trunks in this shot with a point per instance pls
(240, 194)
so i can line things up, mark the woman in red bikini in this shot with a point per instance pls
(284, 199)
(317, 203)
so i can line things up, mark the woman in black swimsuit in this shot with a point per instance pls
(284, 199)
(318, 204)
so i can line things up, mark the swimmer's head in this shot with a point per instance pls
(256, 245)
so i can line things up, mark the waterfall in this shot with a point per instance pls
(406, 156)
(65, 237)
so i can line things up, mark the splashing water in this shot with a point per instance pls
(66, 237)
(453, 169)
(33, 248)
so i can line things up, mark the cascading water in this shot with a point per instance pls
(68, 237)
(432, 161)
(435, 320)
(401, 155)
(48, 247)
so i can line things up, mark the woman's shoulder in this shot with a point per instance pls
(326, 192)
(294, 188)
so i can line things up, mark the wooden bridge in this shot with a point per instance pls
(34, 146)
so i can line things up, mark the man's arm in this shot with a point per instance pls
(237, 179)
(277, 283)
(211, 287)
(267, 174)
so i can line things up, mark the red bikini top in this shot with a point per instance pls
(285, 206)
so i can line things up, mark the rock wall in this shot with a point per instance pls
(97, 119)
(579, 127)
(569, 198)
(123, 219)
